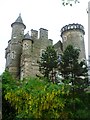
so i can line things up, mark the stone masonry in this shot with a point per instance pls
(23, 51)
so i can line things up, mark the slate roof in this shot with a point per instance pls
(27, 36)
(18, 21)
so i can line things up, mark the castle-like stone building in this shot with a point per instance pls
(23, 51)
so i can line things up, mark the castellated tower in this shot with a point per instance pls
(32, 48)
(26, 57)
(24, 51)
(73, 34)
(34, 34)
(14, 49)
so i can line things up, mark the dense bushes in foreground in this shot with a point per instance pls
(36, 98)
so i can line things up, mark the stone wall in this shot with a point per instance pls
(31, 53)
(73, 34)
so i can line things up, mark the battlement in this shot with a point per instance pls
(72, 27)
(24, 50)
(34, 33)
(43, 33)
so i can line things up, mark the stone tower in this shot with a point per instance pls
(73, 34)
(24, 51)
(14, 49)
(26, 57)
(32, 49)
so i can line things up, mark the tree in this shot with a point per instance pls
(69, 2)
(8, 83)
(38, 99)
(75, 73)
(73, 70)
(35, 98)
(48, 63)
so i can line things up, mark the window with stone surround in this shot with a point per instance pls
(41, 52)
(12, 55)
(25, 46)
(22, 30)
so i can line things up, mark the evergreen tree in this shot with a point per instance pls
(73, 70)
(48, 63)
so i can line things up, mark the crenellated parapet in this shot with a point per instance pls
(24, 50)
(73, 34)
(72, 27)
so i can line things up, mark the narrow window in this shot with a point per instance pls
(41, 52)
(25, 46)
(12, 54)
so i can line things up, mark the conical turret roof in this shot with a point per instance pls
(18, 21)
(27, 36)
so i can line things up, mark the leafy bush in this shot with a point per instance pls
(37, 98)
(8, 83)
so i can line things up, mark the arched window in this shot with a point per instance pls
(41, 52)
(22, 31)
(13, 55)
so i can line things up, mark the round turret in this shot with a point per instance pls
(18, 21)
(72, 27)
(13, 57)
(18, 28)
(27, 44)
(27, 36)
(26, 56)
(73, 34)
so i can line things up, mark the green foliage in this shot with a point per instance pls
(8, 83)
(77, 105)
(48, 63)
(37, 98)
(8, 111)
(69, 62)
(72, 70)
(69, 2)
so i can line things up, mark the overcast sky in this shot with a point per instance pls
(48, 14)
